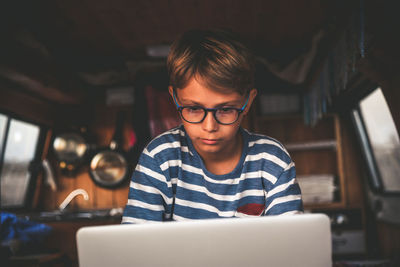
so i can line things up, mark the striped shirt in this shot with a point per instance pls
(170, 182)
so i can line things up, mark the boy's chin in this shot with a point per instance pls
(207, 148)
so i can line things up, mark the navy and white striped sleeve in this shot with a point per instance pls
(285, 196)
(149, 196)
(278, 172)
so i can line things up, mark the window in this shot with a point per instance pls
(380, 141)
(19, 148)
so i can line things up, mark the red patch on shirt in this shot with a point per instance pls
(251, 209)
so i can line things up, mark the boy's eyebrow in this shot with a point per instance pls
(228, 103)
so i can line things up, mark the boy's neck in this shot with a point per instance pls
(226, 160)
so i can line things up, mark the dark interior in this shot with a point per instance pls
(63, 63)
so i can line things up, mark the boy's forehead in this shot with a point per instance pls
(203, 84)
(199, 91)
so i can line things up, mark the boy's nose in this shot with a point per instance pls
(209, 123)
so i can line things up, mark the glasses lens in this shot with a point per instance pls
(193, 114)
(226, 115)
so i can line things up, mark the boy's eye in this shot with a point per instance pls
(226, 111)
(194, 109)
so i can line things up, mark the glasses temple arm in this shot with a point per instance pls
(176, 102)
(245, 104)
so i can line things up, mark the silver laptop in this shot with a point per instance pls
(295, 240)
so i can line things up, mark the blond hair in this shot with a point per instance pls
(216, 57)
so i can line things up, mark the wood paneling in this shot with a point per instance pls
(352, 165)
(291, 130)
(26, 106)
(389, 241)
(102, 127)
(99, 198)
(63, 237)
(315, 162)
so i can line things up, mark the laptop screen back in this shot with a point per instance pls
(296, 240)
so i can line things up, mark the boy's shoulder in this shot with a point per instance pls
(170, 138)
(264, 143)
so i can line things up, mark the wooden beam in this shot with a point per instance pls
(37, 87)
(26, 106)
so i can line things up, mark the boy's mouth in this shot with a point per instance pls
(209, 141)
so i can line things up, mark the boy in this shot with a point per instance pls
(209, 167)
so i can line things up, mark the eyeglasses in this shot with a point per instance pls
(197, 114)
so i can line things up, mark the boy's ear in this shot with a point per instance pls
(171, 90)
(252, 96)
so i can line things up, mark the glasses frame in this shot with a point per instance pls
(212, 110)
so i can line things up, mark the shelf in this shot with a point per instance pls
(314, 145)
(314, 149)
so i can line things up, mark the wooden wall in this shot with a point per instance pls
(26, 106)
(102, 128)
(389, 241)
(352, 161)
(52, 116)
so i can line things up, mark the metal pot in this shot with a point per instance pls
(70, 150)
(109, 166)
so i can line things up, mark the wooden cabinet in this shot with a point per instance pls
(63, 237)
(316, 150)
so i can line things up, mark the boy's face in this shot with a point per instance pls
(210, 137)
